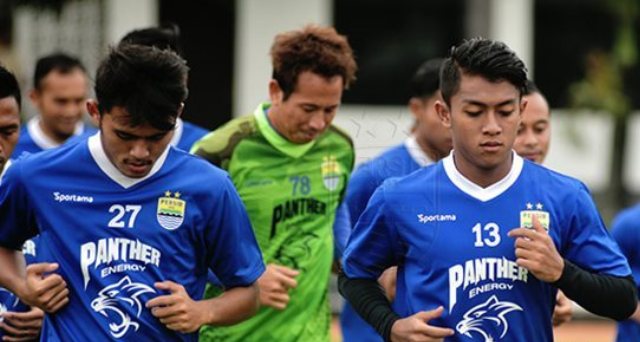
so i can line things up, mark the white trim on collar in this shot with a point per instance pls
(483, 194)
(6, 166)
(41, 139)
(100, 157)
(177, 133)
(415, 151)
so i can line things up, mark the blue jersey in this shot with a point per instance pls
(395, 162)
(9, 301)
(186, 134)
(32, 139)
(115, 236)
(448, 237)
(626, 231)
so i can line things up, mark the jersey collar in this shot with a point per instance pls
(416, 152)
(177, 132)
(6, 166)
(42, 140)
(476, 191)
(274, 138)
(100, 157)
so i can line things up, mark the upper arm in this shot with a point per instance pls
(18, 218)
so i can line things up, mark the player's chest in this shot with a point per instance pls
(83, 214)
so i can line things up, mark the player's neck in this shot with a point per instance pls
(51, 134)
(431, 151)
(482, 176)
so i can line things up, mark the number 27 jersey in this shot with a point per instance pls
(114, 236)
(449, 238)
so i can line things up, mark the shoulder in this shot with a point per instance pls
(627, 219)
(218, 146)
(337, 135)
(383, 166)
(191, 128)
(193, 171)
(552, 181)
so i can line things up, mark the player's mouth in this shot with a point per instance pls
(491, 146)
(138, 168)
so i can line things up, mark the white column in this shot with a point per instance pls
(257, 23)
(122, 16)
(511, 21)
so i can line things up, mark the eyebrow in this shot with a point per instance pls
(482, 104)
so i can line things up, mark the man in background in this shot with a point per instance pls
(59, 94)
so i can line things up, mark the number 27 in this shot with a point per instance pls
(120, 210)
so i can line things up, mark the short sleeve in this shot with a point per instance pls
(18, 217)
(235, 259)
(590, 244)
(374, 244)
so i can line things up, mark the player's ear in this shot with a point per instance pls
(180, 109)
(443, 113)
(416, 106)
(276, 95)
(523, 104)
(94, 111)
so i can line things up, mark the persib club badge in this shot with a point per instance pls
(330, 172)
(526, 216)
(170, 212)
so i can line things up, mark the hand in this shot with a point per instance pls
(563, 310)
(22, 326)
(388, 281)
(274, 285)
(43, 289)
(536, 252)
(177, 311)
(415, 328)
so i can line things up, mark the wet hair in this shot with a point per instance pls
(490, 59)
(320, 50)
(59, 62)
(149, 83)
(426, 81)
(164, 37)
(9, 85)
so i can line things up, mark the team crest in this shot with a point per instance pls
(526, 216)
(171, 210)
(487, 319)
(331, 172)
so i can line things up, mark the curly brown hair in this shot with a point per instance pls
(320, 50)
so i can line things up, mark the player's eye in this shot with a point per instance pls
(473, 113)
(156, 137)
(125, 136)
(479, 313)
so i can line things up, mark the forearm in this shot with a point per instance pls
(603, 295)
(232, 306)
(369, 300)
(12, 265)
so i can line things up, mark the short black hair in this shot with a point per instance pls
(426, 81)
(149, 83)
(532, 88)
(491, 59)
(9, 85)
(60, 62)
(163, 37)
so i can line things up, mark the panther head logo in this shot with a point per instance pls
(113, 297)
(492, 313)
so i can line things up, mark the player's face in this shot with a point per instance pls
(534, 133)
(431, 133)
(309, 110)
(132, 150)
(483, 117)
(61, 102)
(9, 128)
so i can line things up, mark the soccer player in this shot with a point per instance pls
(430, 142)
(60, 92)
(291, 168)
(127, 232)
(185, 134)
(532, 143)
(17, 321)
(626, 232)
(465, 272)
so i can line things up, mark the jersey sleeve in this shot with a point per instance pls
(18, 217)
(235, 257)
(341, 230)
(361, 187)
(590, 245)
(626, 232)
(374, 243)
